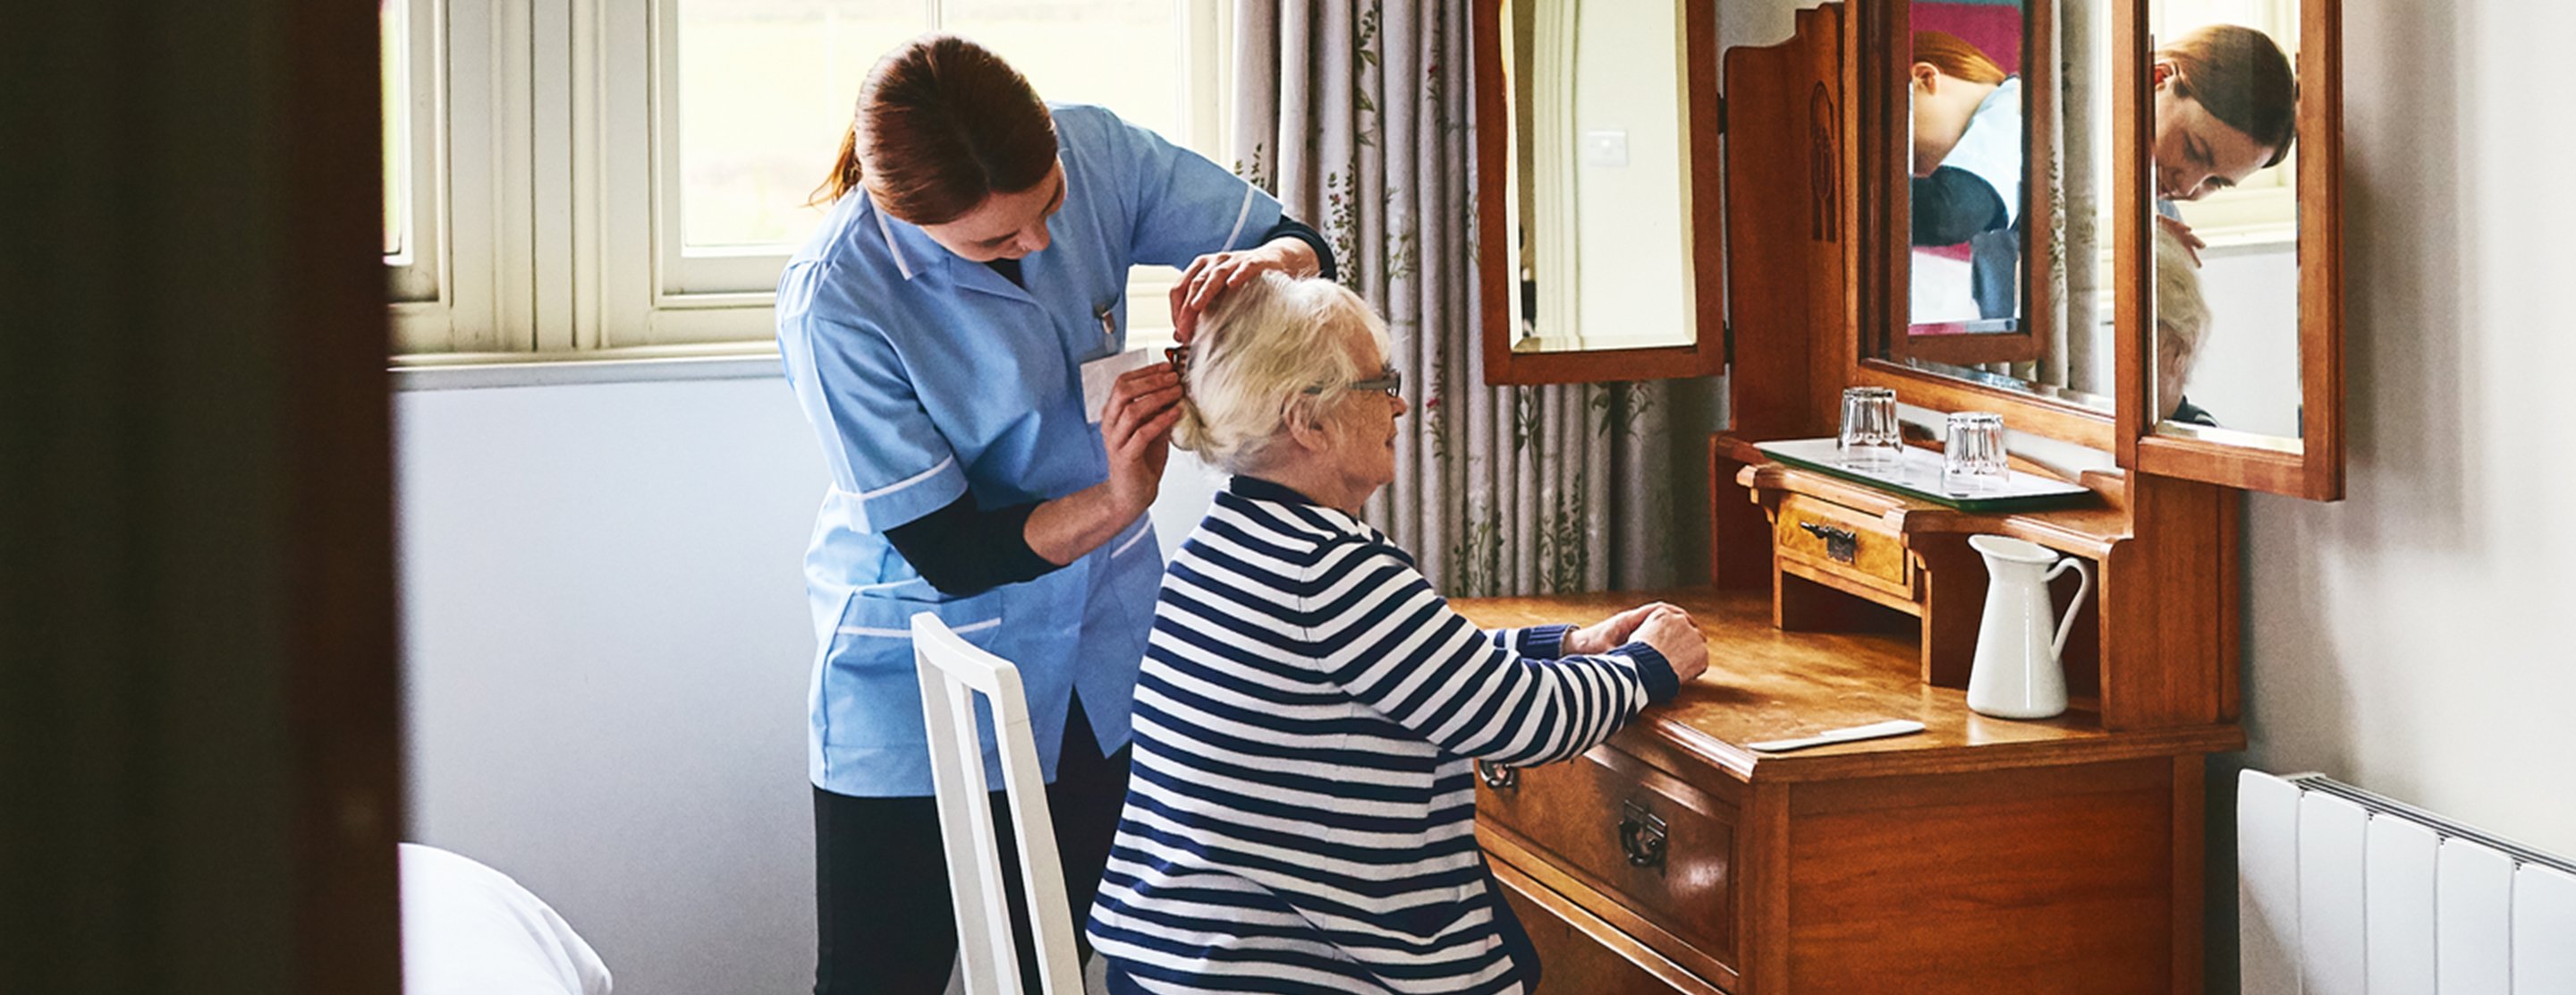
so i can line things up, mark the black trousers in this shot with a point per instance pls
(881, 901)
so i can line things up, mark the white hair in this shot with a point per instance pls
(2182, 321)
(1257, 352)
(2181, 312)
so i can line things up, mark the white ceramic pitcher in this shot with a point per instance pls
(2016, 674)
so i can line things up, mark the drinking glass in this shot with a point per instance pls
(1972, 455)
(1871, 439)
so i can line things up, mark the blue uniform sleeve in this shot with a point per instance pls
(883, 449)
(1180, 205)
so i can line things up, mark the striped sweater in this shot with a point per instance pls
(1301, 811)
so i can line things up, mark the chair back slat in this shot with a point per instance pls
(952, 672)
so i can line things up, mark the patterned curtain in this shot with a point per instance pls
(2072, 183)
(1356, 113)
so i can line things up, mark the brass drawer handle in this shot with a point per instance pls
(1641, 835)
(1843, 545)
(1497, 776)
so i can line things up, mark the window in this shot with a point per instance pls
(409, 67)
(642, 171)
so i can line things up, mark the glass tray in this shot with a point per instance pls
(1919, 476)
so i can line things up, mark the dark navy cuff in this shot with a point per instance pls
(1544, 642)
(1292, 228)
(1662, 684)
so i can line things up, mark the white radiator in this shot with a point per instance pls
(2343, 892)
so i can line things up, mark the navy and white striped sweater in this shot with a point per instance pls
(1301, 811)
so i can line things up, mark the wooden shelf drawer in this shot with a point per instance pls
(1663, 849)
(1579, 954)
(1833, 539)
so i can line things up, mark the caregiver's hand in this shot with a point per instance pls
(1210, 276)
(1136, 429)
(1613, 632)
(2191, 244)
(1673, 634)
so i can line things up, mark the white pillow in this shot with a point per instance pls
(470, 930)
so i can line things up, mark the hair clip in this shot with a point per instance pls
(1179, 357)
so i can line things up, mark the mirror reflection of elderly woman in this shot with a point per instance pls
(1301, 813)
(2182, 326)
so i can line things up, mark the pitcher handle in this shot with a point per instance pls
(2083, 586)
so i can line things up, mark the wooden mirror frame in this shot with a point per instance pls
(1707, 354)
(1877, 131)
(2316, 471)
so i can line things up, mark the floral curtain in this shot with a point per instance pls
(1356, 113)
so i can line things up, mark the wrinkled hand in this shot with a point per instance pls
(1136, 429)
(1210, 276)
(2191, 244)
(1673, 634)
(1613, 632)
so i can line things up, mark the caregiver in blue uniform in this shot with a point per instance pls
(937, 332)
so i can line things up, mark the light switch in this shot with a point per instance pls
(1605, 148)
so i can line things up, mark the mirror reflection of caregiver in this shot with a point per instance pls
(1967, 170)
(1303, 812)
(2226, 107)
(975, 256)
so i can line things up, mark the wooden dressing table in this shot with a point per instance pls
(1981, 855)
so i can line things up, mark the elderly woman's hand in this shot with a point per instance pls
(1611, 633)
(1673, 634)
(1211, 275)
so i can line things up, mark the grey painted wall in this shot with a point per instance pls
(607, 656)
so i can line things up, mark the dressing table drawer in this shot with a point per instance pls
(1663, 849)
(1837, 540)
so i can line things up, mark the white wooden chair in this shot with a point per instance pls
(951, 670)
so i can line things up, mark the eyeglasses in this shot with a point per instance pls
(1390, 383)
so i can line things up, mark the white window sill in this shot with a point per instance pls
(475, 371)
(643, 364)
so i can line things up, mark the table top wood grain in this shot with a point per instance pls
(1763, 684)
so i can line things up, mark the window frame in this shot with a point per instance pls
(648, 297)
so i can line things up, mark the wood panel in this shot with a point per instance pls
(1787, 221)
(2167, 605)
(2050, 880)
(1573, 813)
(1579, 954)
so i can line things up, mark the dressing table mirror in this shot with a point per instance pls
(2233, 207)
(2016, 138)
(1598, 256)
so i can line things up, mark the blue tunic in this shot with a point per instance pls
(927, 377)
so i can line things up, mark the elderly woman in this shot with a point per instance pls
(1300, 816)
